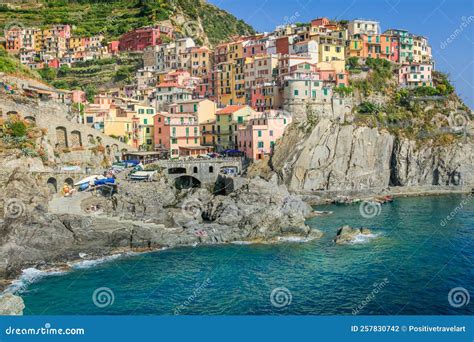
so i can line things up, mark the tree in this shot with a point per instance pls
(90, 91)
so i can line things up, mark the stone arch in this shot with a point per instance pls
(69, 181)
(76, 139)
(30, 119)
(12, 113)
(176, 170)
(52, 185)
(187, 182)
(61, 137)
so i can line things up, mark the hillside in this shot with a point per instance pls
(113, 18)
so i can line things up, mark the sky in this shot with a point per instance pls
(448, 24)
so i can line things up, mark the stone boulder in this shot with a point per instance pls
(348, 235)
(11, 305)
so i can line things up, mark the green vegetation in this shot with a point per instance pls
(343, 90)
(94, 74)
(115, 17)
(11, 65)
(379, 76)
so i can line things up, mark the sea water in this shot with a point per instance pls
(418, 260)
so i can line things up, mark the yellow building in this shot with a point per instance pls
(208, 133)
(202, 109)
(145, 133)
(75, 43)
(200, 61)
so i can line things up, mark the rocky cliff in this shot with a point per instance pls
(333, 156)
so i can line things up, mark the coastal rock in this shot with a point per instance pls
(331, 156)
(349, 235)
(11, 305)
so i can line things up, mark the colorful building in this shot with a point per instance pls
(227, 121)
(415, 75)
(202, 109)
(140, 38)
(258, 137)
(179, 134)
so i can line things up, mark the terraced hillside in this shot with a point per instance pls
(115, 17)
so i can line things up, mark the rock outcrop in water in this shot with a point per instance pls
(348, 235)
(333, 156)
(11, 305)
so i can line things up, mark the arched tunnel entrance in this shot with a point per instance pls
(187, 182)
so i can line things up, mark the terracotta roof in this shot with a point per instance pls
(230, 109)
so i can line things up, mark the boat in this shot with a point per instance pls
(87, 180)
(142, 175)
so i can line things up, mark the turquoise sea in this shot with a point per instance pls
(409, 268)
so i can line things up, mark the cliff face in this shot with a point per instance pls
(330, 156)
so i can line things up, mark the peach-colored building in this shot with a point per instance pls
(178, 133)
(258, 137)
(415, 75)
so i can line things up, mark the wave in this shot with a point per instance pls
(29, 276)
(296, 239)
(363, 238)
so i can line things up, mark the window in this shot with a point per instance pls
(141, 111)
(313, 95)
(90, 119)
(159, 130)
(296, 92)
(174, 141)
(211, 169)
(174, 131)
(187, 131)
(145, 121)
(218, 118)
(195, 107)
(259, 133)
(325, 91)
(260, 144)
(148, 129)
(149, 111)
(240, 119)
(271, 133)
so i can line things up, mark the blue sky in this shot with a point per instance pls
(436, 19)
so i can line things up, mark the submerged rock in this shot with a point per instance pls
(11, 305)
(349, 235)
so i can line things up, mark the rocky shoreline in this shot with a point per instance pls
(141, 217)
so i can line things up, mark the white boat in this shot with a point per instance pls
(142, 175)
(89, 179)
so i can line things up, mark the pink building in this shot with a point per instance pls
(113, 47)
(78, 96)
(178, 133)
(258, 137)
(139, 39)
(415, 75)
